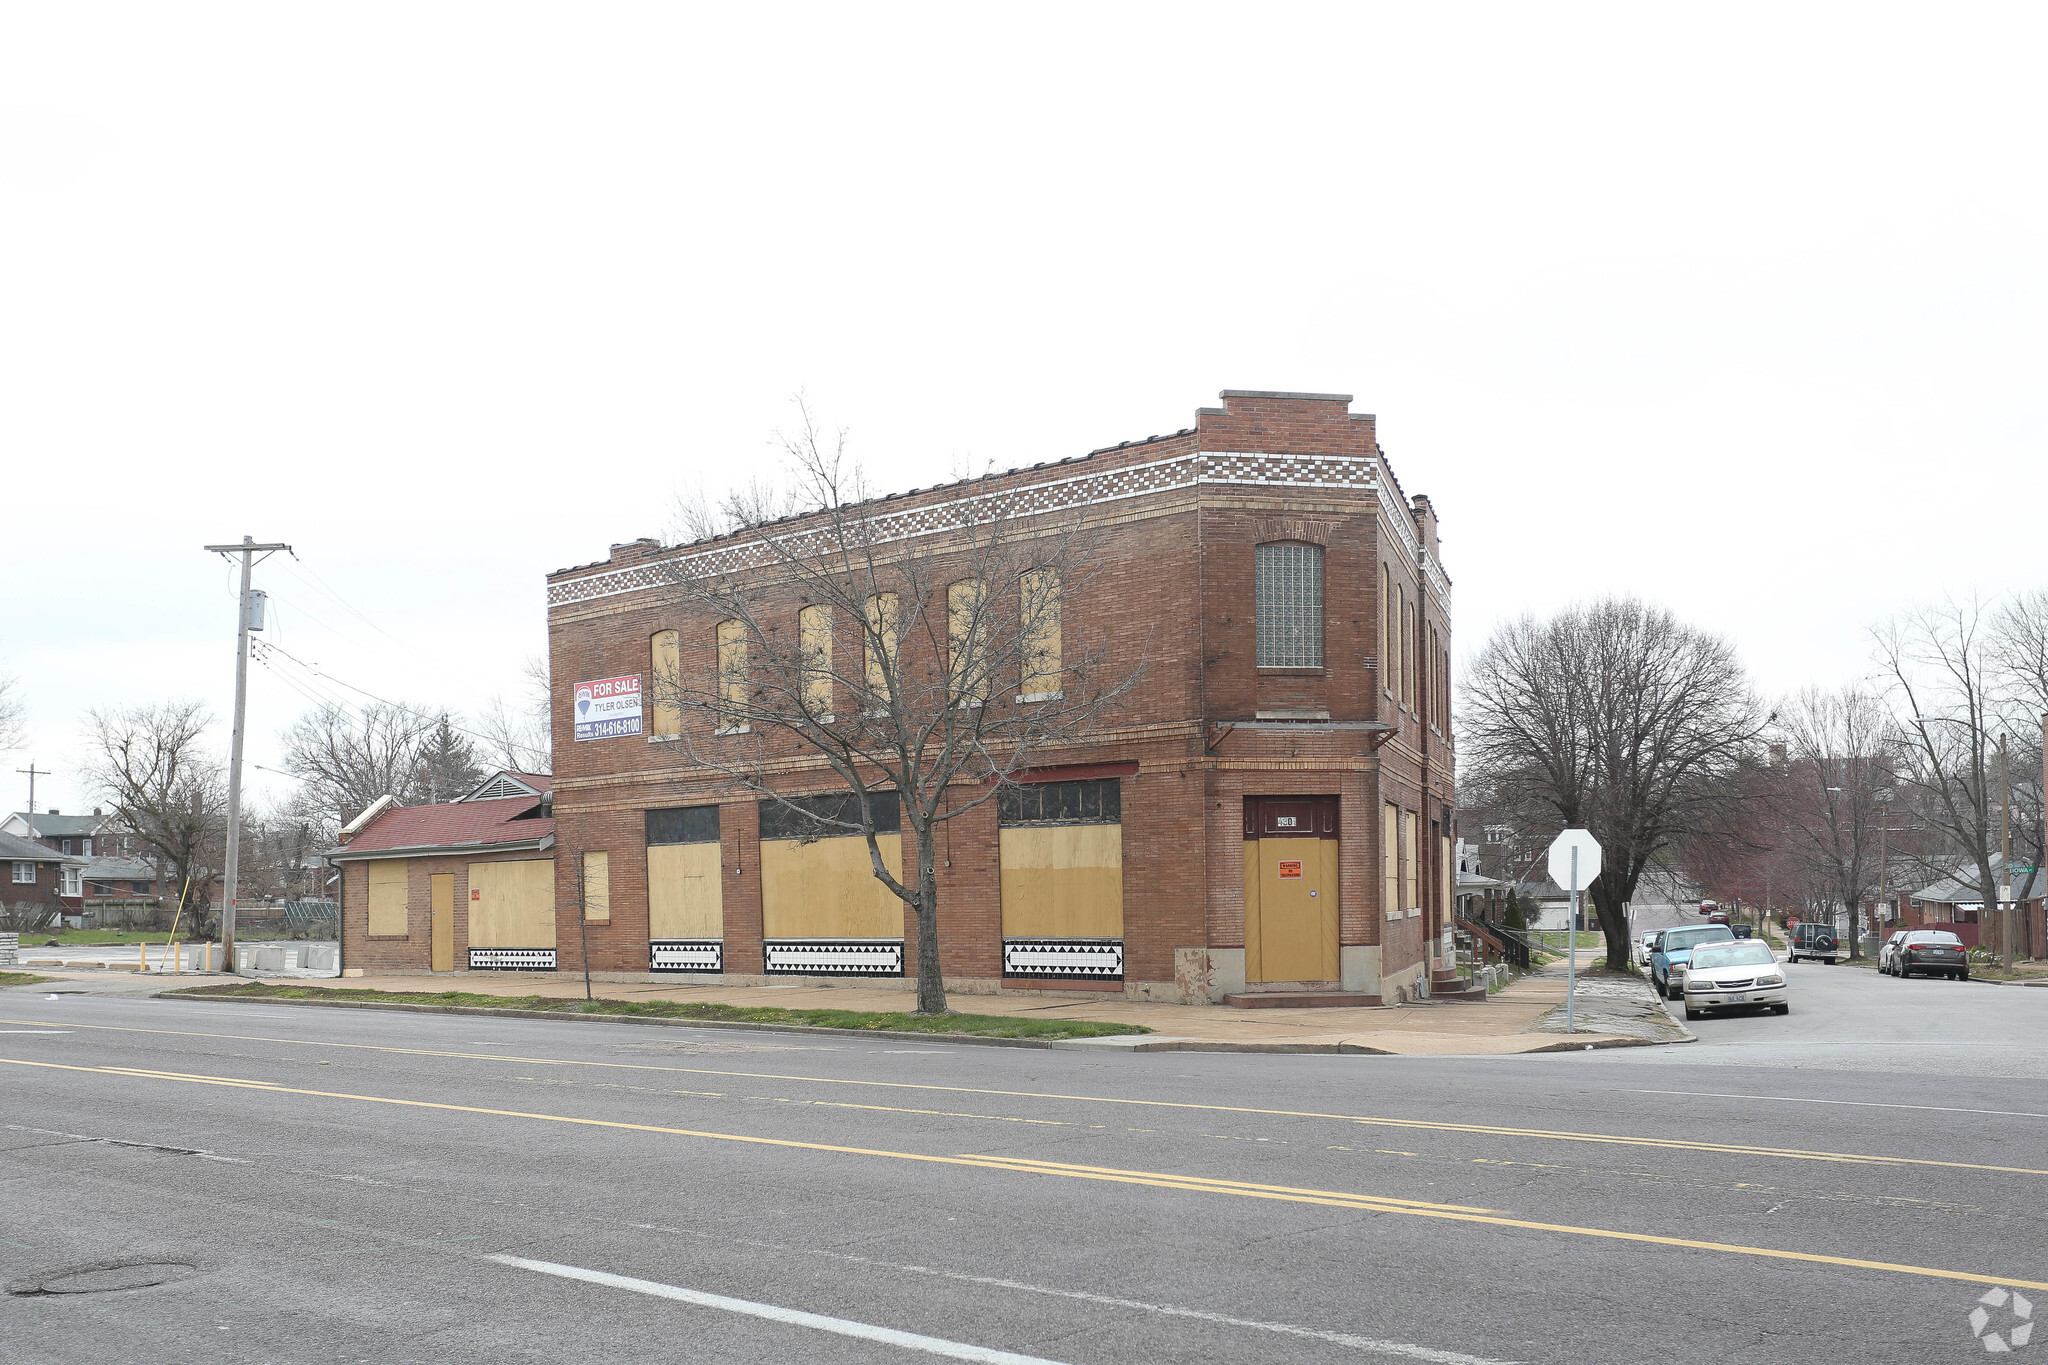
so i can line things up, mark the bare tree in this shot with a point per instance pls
(152, 766)
(1942, 675)
(1838, 780)
(922, 665)
(348, 758)
(1619, 719)
(13, 713)
(2019, 653)
(519, 734)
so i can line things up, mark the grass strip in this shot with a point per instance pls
(20, 978)
(976, 1025)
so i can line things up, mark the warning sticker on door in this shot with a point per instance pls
(1290, 870)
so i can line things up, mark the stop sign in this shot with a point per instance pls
(1561, 849)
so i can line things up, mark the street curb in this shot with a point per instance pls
(1128, 1042)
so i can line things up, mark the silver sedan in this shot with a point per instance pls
(1743, 974)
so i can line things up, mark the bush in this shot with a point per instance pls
(1513, 917)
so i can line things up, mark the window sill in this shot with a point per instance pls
(733, 730)
(663, 739)
(1041, 696)
(1266, 670)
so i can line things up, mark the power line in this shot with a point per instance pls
(267, 648)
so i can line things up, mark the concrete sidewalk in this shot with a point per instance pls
(1517, 1019)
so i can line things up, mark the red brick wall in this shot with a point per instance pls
(1172, 589)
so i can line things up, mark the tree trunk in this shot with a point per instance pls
(931, 981)
(1613, 924)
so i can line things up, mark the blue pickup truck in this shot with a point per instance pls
(1674, 951)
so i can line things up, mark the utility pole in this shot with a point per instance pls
(33, 773)
(248, 550)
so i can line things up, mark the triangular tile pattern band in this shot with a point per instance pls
(686, 955)
(511, 959)
(834, 956)
(1097, 959)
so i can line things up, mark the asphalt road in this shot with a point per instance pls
(332, 1185)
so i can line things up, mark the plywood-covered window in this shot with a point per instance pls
(512, 905)
(967, 661)
(1411, 886)
(814, 643)
(1039, 602)
(1288, 605)
(387, 898)
(817, 880)
(732, 676)
(1390, 859)
(1062, 852)
(1386, 658)
(881, 644)
(597, 888)
(1407, 650)
(1447, 887)
(665, 664)
(685, 899)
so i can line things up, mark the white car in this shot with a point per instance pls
(1646, 942)
(1743, 974)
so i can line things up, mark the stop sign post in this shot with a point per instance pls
(1574, 863)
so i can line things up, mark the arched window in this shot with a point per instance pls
(966, 633)
(881, 645)
(1288, 604)
(732, 677)
(1039, 617)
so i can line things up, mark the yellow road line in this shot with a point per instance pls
(1159, 1180)
(1427, 1125)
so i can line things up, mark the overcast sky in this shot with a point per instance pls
(1736, 308)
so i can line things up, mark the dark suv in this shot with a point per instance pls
(1814, 941)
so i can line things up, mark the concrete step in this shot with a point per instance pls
(1457, 994)
(1299, 1000)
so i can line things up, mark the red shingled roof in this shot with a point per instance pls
(466, 823)
(540, 782)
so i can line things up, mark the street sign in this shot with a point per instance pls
(1561, 859)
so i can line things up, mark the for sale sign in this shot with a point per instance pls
(608, 707)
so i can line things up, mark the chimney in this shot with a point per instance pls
(634, 551)
(1425, 524)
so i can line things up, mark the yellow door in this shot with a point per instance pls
(1291, 910)
(444, 921)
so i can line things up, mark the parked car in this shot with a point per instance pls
(1674, 950)
(1645, 945)
(1887, 956)
(1813, 940)
(1743, 974)
(1717, 917)
(1743, 930)
(1933, 951)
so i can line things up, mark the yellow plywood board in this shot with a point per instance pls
(1297, 894)
(684, 892)
(1063, 881)
(827, 889)
(387, 897)
(512, 905)
(1254, 944)
(443, 888)
(597, 888)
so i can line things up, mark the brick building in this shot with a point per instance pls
(1268, 811)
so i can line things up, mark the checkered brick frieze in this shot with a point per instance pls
(1256, 468)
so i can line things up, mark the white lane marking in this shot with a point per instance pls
(1860, 1104)
(888, 1336)
(1408, 1350)
(41, 1032)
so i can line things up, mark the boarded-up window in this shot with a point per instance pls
(665, 664)
(1390, 858)
(1411, 886)
(685, 898)
(597, 888)
(1386, 660)
(1447, 887)
(1407, 650)
(881, 644)
(1039, 602)
(967, 661)
(1288, 602)
(512, 905)
(817, 879)
(1061, 845)
(814, 640)
(732, 675)
(387, 898)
